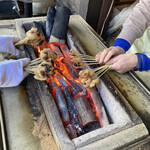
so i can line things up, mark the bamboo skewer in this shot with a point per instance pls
(89, 61)
(84, 55)
(93, 63)
(36, 59)
(35, 62)
(100, 68)
(101, 73)
(88, 58)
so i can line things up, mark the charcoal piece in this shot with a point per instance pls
(27, 26)
(59, 31)
(55, 48)
(33, 98)
(62, 106)
(50, 21)
(52, 83)
(85, 111)
(91, 127)
(39, 28)
(76, 87)
(73, 112)
(61, 81)
(99, 107)
(74, 73)
(65, 50)
(71, 131)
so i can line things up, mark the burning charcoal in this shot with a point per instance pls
(52, 84)
(71, 131)
(74, 73)
(64, 84)
(56, 49)
(50, 21)
(65, 50)
(73, 112)
(61, 81)
(99, 108)
(62, 106)
(76, 87)
(85, 110)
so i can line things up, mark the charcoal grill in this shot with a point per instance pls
(127, 127)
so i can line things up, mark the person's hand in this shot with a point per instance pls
(108, 53)
(12, 73)
(7, 44)
(123, 62)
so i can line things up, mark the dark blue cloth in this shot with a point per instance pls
(145, 62)
(122, 43)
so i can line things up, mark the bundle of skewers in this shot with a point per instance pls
(88, 77)
(42, 67)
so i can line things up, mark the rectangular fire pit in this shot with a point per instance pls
(125, 126)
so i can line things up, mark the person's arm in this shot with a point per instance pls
(11, 71)
(135, 25)
(133, 28)
(127, 62)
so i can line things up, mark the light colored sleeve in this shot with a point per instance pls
(148, 55)
(137, 22)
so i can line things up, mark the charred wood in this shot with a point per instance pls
(85, 111)
(55, 48)
(74, 73)
(65, 50)
(74, 86)
(77, 87)
(99, 107)
(73, 112)
(71, 131)
(61, 81)
(62, 106)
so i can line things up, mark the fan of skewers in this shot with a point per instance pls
(88, 77)
(42, 67)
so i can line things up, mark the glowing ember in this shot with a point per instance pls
(66, 77)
